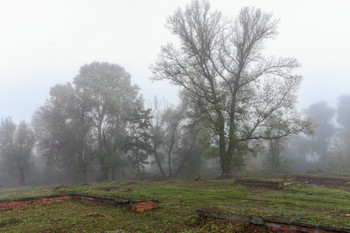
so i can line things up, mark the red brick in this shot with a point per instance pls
(283, 226)
(143, 206)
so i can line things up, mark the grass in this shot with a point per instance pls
(178, 202)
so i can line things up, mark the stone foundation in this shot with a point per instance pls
(7, 205)
(136, 206)
(264, 184)
(269, 223)
(321, 180)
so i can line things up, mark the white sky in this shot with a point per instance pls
(43, 43)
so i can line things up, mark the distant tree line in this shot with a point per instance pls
(328, 148)
(16, 145)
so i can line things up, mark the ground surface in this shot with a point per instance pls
(178, 201)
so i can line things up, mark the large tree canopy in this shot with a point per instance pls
(116, 112)
(99, 117)
(63, 129)
(236, 91)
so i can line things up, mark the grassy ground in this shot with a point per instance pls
(178, 202)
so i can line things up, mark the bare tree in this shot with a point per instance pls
(174, 138)
(167, 130)
(157, 132)
(232, 86)
(174, 118)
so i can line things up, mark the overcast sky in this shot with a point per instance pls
(43, 43)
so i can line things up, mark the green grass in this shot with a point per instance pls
(178, 202)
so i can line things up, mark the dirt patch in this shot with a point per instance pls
(7, 205)
(89, 200)
(140, 207)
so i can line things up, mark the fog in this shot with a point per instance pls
(45, 43)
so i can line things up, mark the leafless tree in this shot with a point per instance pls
(233, 87)
(157, 132)
(174, 138)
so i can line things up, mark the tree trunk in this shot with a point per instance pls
(22, 178)
(169, 163)
(188, 155)
(113, 173)
(225, 158)
(179, 169)
(102, 154)
(104, 171)
(82, 175)
(159, 164)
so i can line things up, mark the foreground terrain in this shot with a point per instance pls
(178, 201)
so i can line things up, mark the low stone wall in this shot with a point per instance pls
(7, 205)
(135, 205)
(264, 184)
(322, 180)
(274, 225)
(306, 179)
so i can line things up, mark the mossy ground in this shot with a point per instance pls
(178, 202)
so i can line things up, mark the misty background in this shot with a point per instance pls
(44, 43)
